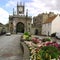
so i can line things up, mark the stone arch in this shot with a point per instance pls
(36, 31)
(19, 27)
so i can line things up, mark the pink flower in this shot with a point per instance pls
(49, 43)
(35, 40)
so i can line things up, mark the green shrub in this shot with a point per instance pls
(27, 36)
(46, 39)
(26, 33)
(49, 52)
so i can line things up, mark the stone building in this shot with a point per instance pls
(39, 20)
(37, 24)
(20, 23)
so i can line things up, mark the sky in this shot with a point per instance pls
(34, 7)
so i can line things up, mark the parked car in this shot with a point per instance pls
(2, 30)
(8, 34)
(58, 35)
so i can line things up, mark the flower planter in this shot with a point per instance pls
(35, 45)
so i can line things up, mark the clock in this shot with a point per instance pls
(20, 9)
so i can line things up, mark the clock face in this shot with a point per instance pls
(20, 9)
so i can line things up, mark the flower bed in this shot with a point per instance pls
(49, 52)
(43, 49)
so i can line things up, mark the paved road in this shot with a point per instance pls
(10, 48)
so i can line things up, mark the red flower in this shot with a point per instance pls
(49, 43)
(35, 40)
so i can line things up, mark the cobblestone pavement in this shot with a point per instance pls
(10, 48)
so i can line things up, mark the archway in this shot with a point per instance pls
(20, 27)
(36, 31)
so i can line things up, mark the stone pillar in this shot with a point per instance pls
(14, 26)
(14, 31)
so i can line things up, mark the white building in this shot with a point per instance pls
(51, 25)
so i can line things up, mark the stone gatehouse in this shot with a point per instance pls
(20, 23)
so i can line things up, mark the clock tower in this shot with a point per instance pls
(20, 8)
(20, 23)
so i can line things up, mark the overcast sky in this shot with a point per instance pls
(34, 7)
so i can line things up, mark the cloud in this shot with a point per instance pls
(34, 7)
(3, 16)
(11, 3)
(37, 6)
